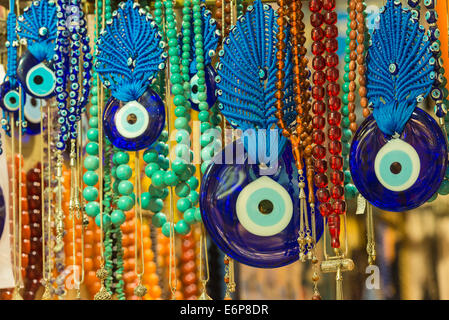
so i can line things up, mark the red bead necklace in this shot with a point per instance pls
(326, 72)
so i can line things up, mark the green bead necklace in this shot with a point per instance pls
(181, 176)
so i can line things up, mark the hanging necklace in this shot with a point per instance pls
(326, 70)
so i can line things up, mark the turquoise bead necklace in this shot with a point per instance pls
(181, 176)
(91, 178)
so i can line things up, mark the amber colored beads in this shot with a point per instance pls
(188, 268)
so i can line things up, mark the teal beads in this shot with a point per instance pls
(125, 203)
(159, 219)
(124, 172)
(150, 155)
(189, 216)
(198, 215)
(157, 179)
(92, 148)
(118, 217)
(145, 200)
(121, 158)
(182, 227)
(166, 229)
(183, 204)
(444, 187)
(90, 193)
(182, 190)
(180, 174)
(106, 220)
(350, 191)
(92, 134)
(92, 209)
(170, 178)
(125, 187)
(156, 205)
(91, 163)
(151, 168)
(90, 178)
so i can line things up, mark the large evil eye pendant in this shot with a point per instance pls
(32, 114)
(134, 125)
(210, 75)
(10, 98)
(399, 173)
(253, 214)
(37, 77)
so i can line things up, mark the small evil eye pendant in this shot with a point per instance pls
(10, 98)
(253, 214)
(399, 173)
(32, 114)
(134, 125)
(37, 77)
(210, 75)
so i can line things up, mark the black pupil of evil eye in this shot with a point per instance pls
(395, 167)
(38, 79)
(265, 206)
(132, 118)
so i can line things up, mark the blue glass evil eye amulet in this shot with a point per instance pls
(251, 215)
(134, 125)
(37, 77)
(9, 97)
(398, 157)
(398, 174)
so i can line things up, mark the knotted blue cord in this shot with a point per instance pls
(38, 26)
(247, 74)
(129, 52)
(398, 68)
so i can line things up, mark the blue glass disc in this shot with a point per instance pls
(9, 97)
(36, 77)
(210, 88)
(221, 187)
(394, 188)
(134, 125)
